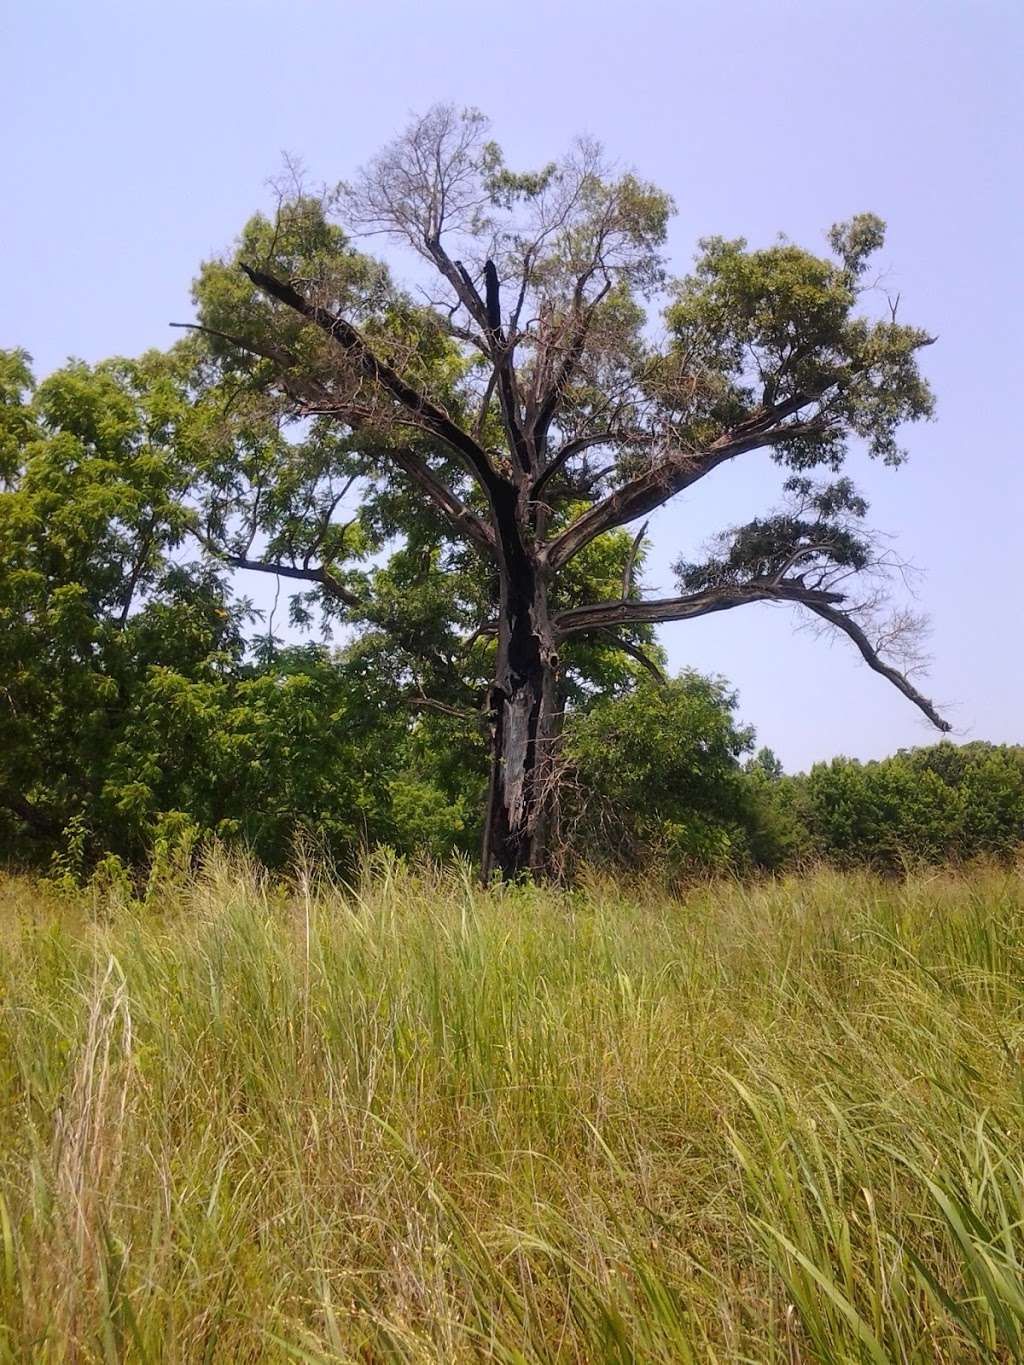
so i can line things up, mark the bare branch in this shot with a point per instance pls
(485, 404)
(502, 351)
(325, 521)
(577, 446)
(423, 410)
(627, 572)
(314, 397)
(604, 615)
(489, 628)
(439, 493)
(662, 481)
(495, 347)
(566, 453)
(424, 703)
(844, 622)
(635, 652)
(547, 406)
(620, 613)
(323, 577)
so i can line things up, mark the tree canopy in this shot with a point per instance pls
(530, 401)
(453, 471)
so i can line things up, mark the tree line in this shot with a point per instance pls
(447, 476)
(145, 707)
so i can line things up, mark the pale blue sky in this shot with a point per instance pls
(138, 136)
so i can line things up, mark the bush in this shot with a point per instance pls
(930, 805)
(654, 777)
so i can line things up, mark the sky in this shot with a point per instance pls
(138, 136)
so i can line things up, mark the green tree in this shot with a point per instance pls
(510, 419)
(654, 776)
(132, 700)
(933, 804)
(135, 692)
(90, 597)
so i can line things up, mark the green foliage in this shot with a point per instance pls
(654, 775)
(132, 705)
(945, 802)
(817, 534)
(90, 598)
(16, 414)
(655, 779)
(132, 693)
(142, 712)
(763, 326)
(130, 699)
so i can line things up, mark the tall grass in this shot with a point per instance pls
(412, 1122)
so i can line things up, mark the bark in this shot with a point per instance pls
(525, 718)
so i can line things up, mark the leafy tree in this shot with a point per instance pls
(935, 804)
(132, 702)
(90, 598)
(654, 775)
(503, 424)
(134, 709)
(777, 830)
(766, 765)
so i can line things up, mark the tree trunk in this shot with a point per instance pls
(525, 718)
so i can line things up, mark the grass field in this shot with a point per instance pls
(411, 1122)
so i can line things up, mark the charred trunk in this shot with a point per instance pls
(525, 721)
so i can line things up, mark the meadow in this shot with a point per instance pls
(407, 1121)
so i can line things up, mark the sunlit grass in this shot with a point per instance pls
(413, 1122)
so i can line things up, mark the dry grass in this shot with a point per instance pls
(410, 1122)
